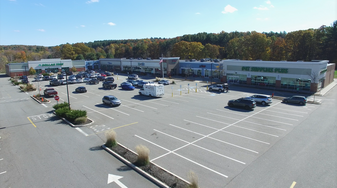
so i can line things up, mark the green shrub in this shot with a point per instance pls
(80, 120)
(61, 105)
(110, 138)
(173, 82)
(16, 83)
(73, 114)
(61, 112)
(143, 155)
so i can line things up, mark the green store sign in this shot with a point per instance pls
(264, 69)
(51, 64)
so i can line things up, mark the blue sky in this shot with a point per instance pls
(51, 23)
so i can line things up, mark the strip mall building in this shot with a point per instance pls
(283, 75)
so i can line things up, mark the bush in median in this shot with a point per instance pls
(61, 112)
(80, 120)
(110, 138)
(61, 105)
(73, 114)
(143, 155)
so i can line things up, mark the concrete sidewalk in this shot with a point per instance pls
(326, 89)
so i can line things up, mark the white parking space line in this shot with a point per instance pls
(93, 93)
(224, 156)
(295, 111)
(284, 113)
(273, 121)
(169, 152)
(81, 131)
(140, 104)
(280, 117)
(169, 101)
(248, 122)
(69, 95)
(117, 110)
(27, 93)
(1, 159)
(98, 112)
(228, 132)
(44, 105)
(132, 108)
(3, 172)
(213, 120)
(83, 95)
(215, 139)
(154, 102)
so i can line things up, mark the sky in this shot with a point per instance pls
(56, 22)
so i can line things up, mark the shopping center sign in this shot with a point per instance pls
(51, 64)
(265, 69)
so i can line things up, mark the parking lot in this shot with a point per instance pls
(189, 129)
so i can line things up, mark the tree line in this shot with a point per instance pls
(306, 45)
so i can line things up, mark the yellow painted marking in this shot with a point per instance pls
(31, 122)
(115, 128)
(293, 184)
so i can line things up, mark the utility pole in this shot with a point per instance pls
(162, 65)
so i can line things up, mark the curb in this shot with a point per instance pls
(72, 125)
(138, 170)
(38, 100)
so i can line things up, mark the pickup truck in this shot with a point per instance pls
(49, 92)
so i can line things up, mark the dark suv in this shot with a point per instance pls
(93, 81)
(54, 82)
(296, 99)
(246, 103)
(109, 85)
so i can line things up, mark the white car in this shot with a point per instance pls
(85, 80)
(80, 80)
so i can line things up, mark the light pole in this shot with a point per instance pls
(67, 89)
(211, 73)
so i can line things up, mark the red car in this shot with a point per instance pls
(104, 75)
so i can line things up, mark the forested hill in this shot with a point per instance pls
(320, 43)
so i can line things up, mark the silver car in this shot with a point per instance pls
(111, 100)
(263, 99)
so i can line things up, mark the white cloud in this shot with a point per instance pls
(17, 31)
(269, 3)
(92, 1)
(82, 25)
(42, 30)
(229, 9)
(197, 13)
(39, 4)
(261, 8)
(112, 24)
(262, 19)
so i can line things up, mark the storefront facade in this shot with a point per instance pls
(306, 76)
(201, 69)
(44, 66)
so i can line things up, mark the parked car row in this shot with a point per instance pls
(249, 103)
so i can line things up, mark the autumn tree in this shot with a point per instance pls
(56, 52)
(211, 51)
(32, 71)
(195, 50)
(181, 49)
(3, 62)
(68, 52)
(278, 49)
(258, 46)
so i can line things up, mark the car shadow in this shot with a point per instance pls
(104, 106)
(293, 104)
(238, 109)
(96, 148)
(144, 98)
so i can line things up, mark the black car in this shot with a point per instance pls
(60, 76)
(296, 99)
(93, 81)
(246, 103)
(100, 78)
(54, 82)
(109, 85)
(47, 77)
(108, 73)
(110, 78)
(81, 89)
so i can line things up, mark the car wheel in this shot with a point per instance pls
(285, 101)
(140, 93)
(264, 103)
(210, 89)
(150, 95)
(301, 103)
(111, 104)
(247, 107)
(230, 105)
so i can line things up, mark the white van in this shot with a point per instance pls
(152, 90)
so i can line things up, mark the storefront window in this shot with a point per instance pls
(237, 78)
(263, 80)
(206, 73)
